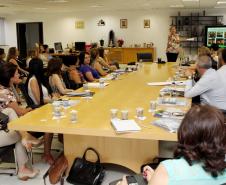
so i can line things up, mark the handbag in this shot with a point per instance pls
(84, 172)
(4, 119)
(57, 170)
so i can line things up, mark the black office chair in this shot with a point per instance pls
(27, 98)
(70, 84)
(145, 57)
(7, 155)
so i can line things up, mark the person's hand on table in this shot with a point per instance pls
(148, 172)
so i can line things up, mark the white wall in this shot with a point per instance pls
(2, 31)
(61, 27)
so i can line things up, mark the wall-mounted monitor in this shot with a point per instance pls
(58, 47)
(80, 46)
(216, 34)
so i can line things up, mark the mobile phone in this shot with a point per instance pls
(131, 180)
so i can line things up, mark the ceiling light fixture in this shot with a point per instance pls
(177, 6)
(57, 1)
(190, 0)
(221, 2)
(96, 6)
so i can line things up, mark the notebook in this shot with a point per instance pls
(121, 126)
(96, 85)
(80, 94)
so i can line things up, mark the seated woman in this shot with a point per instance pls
(200, 154)
(31, 54)
(40, 96)
(89, 73)
(12, 57)
(103, 60)
(55, 79)
(72, 66)
(44, 55)
(14, 137)
(9, 75)
(95, 62)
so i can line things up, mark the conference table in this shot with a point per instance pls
(93, 127)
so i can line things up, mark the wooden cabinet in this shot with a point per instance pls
(126, 55)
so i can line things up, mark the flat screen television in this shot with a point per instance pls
(58, 47)
(80, 46)
(216, 34)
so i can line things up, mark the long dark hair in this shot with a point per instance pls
(82, 58)
(36, 69)
(202, 138)
(11, 53)
(54, 66)
(7, 71)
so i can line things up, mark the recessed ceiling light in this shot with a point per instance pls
(190, 0)
(57, 1)
(221, 2)
(40, 8)
(96, 6)
(176, 6)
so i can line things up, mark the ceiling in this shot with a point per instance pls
(53, 6)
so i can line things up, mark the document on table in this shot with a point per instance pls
(79, 94)
(121, 126)
(97, 85)
(167, 83)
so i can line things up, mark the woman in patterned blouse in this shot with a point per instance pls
(173, 45)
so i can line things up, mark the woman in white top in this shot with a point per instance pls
(40, 96)
(55, 79)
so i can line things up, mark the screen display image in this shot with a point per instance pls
(58, 46)
(216, 34)
(80, 46)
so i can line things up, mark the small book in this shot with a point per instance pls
(80, 94)
(121, 126)
(97, 85)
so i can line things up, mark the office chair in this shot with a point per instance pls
(145, 57)
(70, 84)
(27, 98)
(6, 157)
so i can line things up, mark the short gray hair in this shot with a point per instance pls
(204, 62)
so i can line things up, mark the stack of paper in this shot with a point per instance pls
(171, 125)
(167, 83)
(125, 125)
(97, 85)
(80, 94)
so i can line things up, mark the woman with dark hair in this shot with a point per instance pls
(44, 54)
(200, 154)
(55, 79)
(40, 96)
(89, 73)
(103, 60)
(95, 62)
(36, 83)
(12, 57)
(9, 75)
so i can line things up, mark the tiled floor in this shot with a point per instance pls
(112, 173)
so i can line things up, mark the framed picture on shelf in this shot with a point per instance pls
(146, 23)
(123, 23)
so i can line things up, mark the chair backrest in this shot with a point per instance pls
(145, 57)
(70, 84)
(27, 98)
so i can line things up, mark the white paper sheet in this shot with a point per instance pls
(125, 125)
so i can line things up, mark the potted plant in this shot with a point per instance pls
(120, 42)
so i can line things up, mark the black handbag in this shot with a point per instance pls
(4, 119)
(84, 172)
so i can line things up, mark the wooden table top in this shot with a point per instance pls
(128, 92)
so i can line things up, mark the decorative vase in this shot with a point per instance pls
(101, 42)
